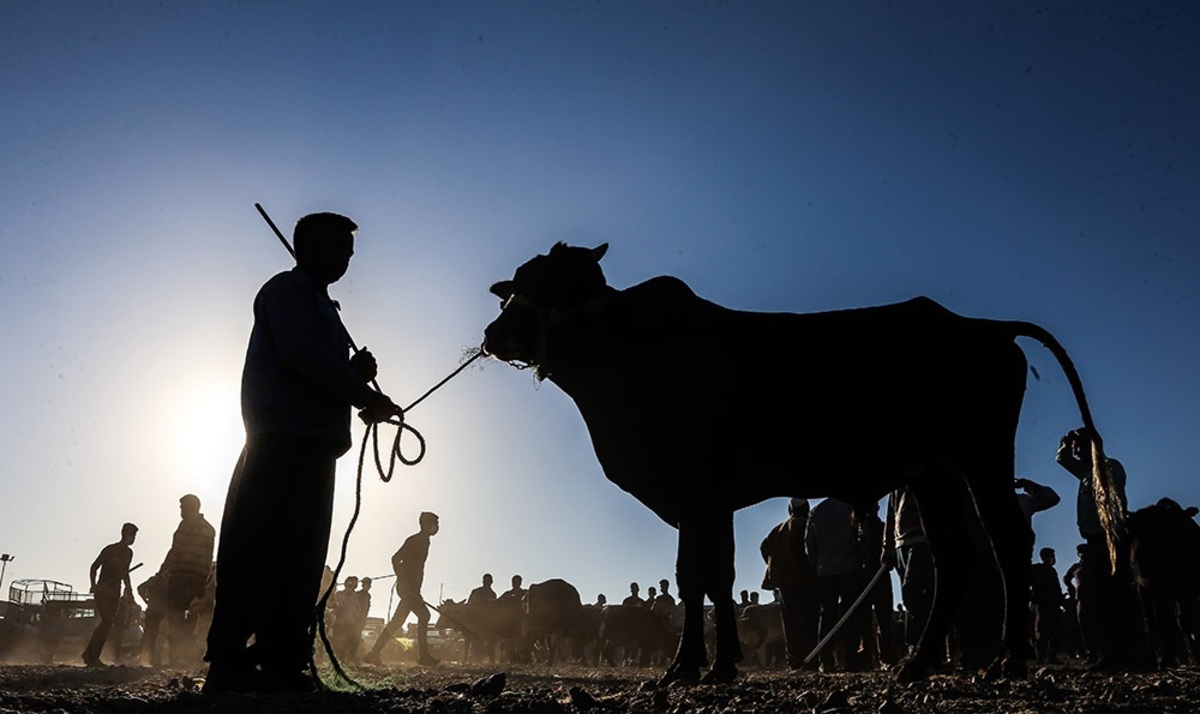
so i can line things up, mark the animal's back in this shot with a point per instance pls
(686, 399)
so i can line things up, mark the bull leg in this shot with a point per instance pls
(690, 656)
(1012, 545)
(704, 567)
(942, 502)
(706, 557)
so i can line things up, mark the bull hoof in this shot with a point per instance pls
(685, 674)
(1014, 668)
(720, 674)
(912, 670)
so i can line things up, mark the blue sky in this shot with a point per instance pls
(1017, 161)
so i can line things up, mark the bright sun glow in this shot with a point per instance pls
(212, 435)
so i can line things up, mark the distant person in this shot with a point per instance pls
(298, 385)
(664, 604)
(1076, 640)
(1108, 604)
(1033, 498)
(408, 564)
(186, 570)
(633, 598)
(664, 592)
(601, 601)
(109, 577)
(202, 607)
(516, 591)
(154, 593)
(907, 549)
(364, 611)
(346, 631)
(1047, 597)
(831, 543)
(790, 574)
(483, 593)
(880, 603)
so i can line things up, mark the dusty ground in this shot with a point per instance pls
(455, 689)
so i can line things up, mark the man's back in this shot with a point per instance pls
(408, 563)
(114, 561)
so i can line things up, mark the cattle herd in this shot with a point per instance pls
(550, 625)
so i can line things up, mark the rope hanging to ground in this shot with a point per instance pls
(385, 475)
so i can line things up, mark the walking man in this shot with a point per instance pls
(409, 566)
(109, 572)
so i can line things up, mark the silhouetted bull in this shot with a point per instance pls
(484, 625)
(633, 632)
(554, 612)
(699, 410)
(1165, 555)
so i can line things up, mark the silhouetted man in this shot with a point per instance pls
(1108, 604)
(831, 542)
(791, 575)
(907, 549)
(483, 593)
(109, 572)
(516, 590)
(409, 565)
(346, 630)
(1047, 597)
(186, 570)
(364, 611)
(154, 593)
(633, 598)
(664, 593)
(298, 386)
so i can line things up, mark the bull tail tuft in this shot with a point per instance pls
(1108, 502)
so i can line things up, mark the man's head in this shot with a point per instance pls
(798, 508)
(651, 593)
(189, 505)
(429, 523)
(365, 584)
(324, 243)
(664, 585)
(487, 580)
(128, 533)
(516, 582)
(1047, 555)
(633, 588)
(351, 583)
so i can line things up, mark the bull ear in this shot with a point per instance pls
(599, 251)
(503, 289)
(1192, 511)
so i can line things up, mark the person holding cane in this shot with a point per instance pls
(298, 385)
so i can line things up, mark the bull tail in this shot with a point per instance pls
(1108, 501)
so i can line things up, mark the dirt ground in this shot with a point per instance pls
(454, 689)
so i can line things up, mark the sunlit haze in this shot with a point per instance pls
(1013, 160)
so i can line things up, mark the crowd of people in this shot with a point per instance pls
(178, 597)
(820, 560)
